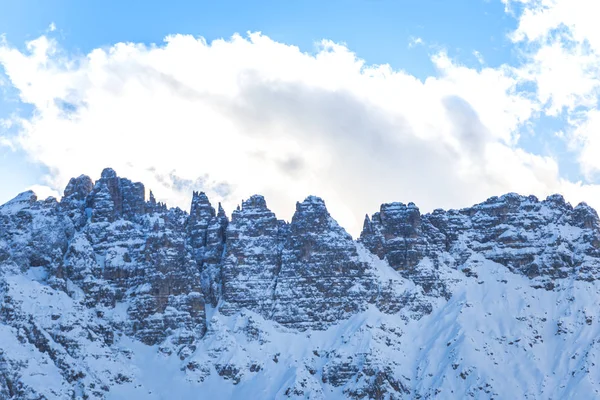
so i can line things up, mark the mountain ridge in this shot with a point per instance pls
(217, 298)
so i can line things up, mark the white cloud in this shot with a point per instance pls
(415, 41)
(561, 39)
(540, 20)
(586, 135)
(251, 115)
(479, 57)
(43, 192)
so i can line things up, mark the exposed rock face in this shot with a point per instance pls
(321, 279)
(304, 275)
(141, 258)
(399, 234)
(206, 236)
(421, 306)
(34, 234)
(252, 258)
(201, 214)
(543, 240)
(113, 198)
(213, 256)
(74, 198)
(120, 253)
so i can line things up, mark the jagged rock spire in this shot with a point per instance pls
(113, 197)
(319, 252)
(367, 224)
(78, 188)
(221, 211)
(252, 249)
(151, 199)
(201, 214)
(213, 256)
(201, 209)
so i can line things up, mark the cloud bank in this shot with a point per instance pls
(250, 115)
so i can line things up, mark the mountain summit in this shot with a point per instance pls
(109, 295)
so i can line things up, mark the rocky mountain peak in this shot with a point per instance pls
(152, 200)
(400, 219)
(201, 208)
(201, 214)
(254, 203)
(252, 258)
(586, 217)
(221, 211)
(556, 199)
(321, 278)
(311, 212)
(108, 173)
(20, 201)
(112, 198)
(78, 188)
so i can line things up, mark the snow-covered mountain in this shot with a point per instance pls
(107, 295)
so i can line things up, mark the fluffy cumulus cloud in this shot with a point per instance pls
(250, 115)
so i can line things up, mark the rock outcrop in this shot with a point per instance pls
(321, 279)
(543, 240)
(206, 236)
(252, 258)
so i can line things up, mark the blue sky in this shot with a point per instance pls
(406, 35)
(377, 30)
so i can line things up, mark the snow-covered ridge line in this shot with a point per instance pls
(100, 288)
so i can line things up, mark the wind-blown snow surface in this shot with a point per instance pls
(492, 332)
